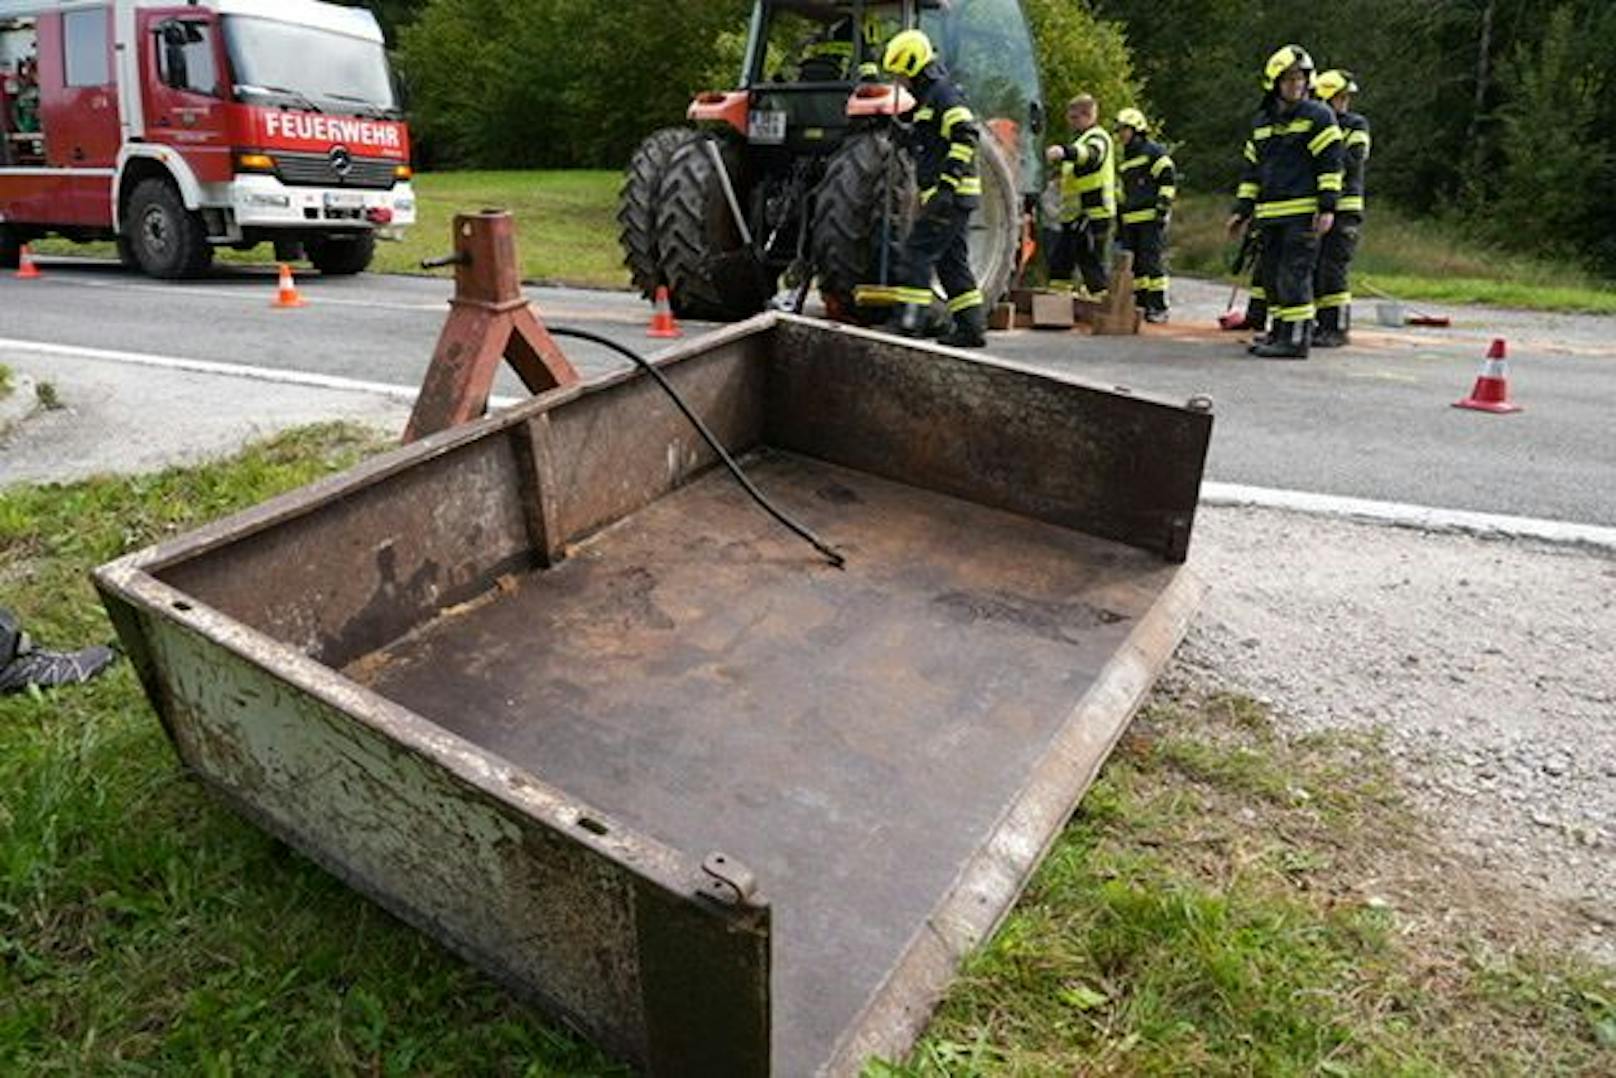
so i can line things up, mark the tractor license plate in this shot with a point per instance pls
(768, 128)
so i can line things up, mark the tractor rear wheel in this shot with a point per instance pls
(637, 204)
(995, 229)
(709, 271)
(846, 237)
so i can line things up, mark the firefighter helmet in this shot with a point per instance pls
(1282, 61)
(1133, 118)
(908, 53)
(1327, 85)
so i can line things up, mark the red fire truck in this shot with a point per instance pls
(176, 128)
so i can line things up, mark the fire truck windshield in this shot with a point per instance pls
(308, 66)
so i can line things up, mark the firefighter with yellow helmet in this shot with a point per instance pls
(1331, 283)
(1148, 184)
(943, 139)
(1289, 187)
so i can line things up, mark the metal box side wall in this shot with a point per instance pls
(361, 567)
(617, 448)
(1095, 460)
(602, 931)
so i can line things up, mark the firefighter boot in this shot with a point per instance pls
(1330, 334)
(1289, 340)
(23, 665)
(970, 329)
(909, 320)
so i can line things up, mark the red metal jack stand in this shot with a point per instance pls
(489, 322)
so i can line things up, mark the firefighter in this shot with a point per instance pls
(829, 55)
(1330, 283)
(943, 139)
(1291, 182)
(1088, 199)
(1149, 184)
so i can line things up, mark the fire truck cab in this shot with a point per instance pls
(176, 128)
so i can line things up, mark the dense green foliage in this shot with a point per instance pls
(1494, 110)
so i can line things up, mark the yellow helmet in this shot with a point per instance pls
(908, 53)
(1282, 61)
(1133, 118)
(1327, 85)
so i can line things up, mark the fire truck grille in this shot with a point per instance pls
(315, 170)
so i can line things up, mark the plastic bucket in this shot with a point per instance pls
(1390, 314)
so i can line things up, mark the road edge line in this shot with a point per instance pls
(1418, 517)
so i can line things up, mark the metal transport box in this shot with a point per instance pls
(550, 688)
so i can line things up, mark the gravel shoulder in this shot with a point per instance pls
(1485, 665)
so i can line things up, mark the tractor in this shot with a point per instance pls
(801, 175)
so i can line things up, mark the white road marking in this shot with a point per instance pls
(1398, 514)
(407, 394)
(1403, 515)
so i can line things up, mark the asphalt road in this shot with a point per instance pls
(1371, 421)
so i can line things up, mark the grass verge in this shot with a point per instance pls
(567, 234)
(1411, 259)
(1227, 900)
(5, 381)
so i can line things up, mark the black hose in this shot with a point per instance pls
(830, 553)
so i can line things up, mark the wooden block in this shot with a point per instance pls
(1086, 310)
(1003, 316)
(1022, 298)
(1118, 316)
(1052, 310)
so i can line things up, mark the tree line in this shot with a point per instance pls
(1496, 113)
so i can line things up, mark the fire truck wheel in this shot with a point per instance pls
(341, 256)
(168, 240)
(126, 253)
(10, 249)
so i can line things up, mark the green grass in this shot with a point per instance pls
(5, 381)
(1412, 260)
(1221, 903)
(1216, 907)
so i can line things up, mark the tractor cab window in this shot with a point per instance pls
(185, 57)
(988, 48)
(823, 42)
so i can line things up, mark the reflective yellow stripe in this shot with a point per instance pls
(959, 114)
(973, 298)
(923, 114)
(1358, 138)
(1247, 190)
(1294, 314)
(1163, 163)
(1350, 204)
(1262, 132)
(1259, 292)
(1089, 181)
(870, 70)
(925, 196)
(960, 151)
(1334, 299)
(1330, 181)
(1168, 193)
(1324, 139)
(1250, 152)
(1295, 127)
(971, 185)
(1287, 208)
(1138, 217)
(1060, 284)
(875, 295)
(914, 295)
(1135, 162)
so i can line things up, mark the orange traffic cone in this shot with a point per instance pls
(1491, 392)
(26, 270)
(287, 295)
(662, 323)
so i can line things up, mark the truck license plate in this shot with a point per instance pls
(343, 201)
(768, 128)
